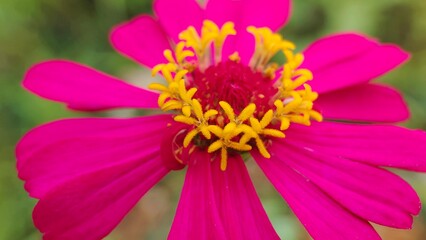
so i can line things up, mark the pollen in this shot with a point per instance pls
(230, 108)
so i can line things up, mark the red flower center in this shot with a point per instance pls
(234, 83)
(229, 106)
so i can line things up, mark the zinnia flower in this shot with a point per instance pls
(224, 97)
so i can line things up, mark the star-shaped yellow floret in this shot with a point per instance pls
(226, 141)
(259, 129)
(200, 121)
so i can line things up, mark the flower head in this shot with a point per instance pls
(224, 96)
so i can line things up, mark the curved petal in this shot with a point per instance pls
(237, 199)
(330, 50)
(83, 88)
(142, 39)
(345, 60)
(372, 193)
(323, 218)
(365, 103)
(55, 153)
(197, 216)
(378, 145)
(176, 16)
(213, 202)
(222, 11)
(91, 205)
(275, 14)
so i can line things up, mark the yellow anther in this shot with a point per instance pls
(316, 115)
(219, 35)
(169, 56)
(163, 98)
(268, 44)
(267, 119)
(262, 149)
(235, 57)
(245, 114)
(270, 70)
(223, 159)
(227, 29)
(158, 86)
(259, 128)
(166, 69)
(201, 43)
(192, 39)
(229, 111)
(175, 95)
(181, 53)
(172, 105)
(180, 75)
(225, 141)
(200, 121)
(184, 119)
(235, 130)
(188, 138)
(297, 108)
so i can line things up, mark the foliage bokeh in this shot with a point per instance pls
(33, 31)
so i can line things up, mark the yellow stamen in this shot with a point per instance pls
(222, 129)
(235, 57)
(201, 44)
(268, 44)
(225, 141)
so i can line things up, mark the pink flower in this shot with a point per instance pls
(225, 97)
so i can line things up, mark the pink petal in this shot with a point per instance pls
(91, 205)
(366, 102)
(55, 153)
(246, 13)
(176, 16)
(379, 145)
(141, 39)
(372, 193)
(197, 216)
(327, 51)
(323, 218)
(83, 88)
(222, 11)
(213, 202)
(237, 200)
(345, 60)
(275, 13)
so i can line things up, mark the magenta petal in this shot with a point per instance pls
(90, 206)
(57, 152)
(237, 201)
(366, 102)
(83, 88)
(197, 216)
(176, 16)
(345, 60)
(329, 50)
(275, 14)
(323, 218)
(245, 13)
(141, 39)
(379, 145)
(372, 193)
(222, 11)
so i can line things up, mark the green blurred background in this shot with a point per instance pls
(36, 30)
